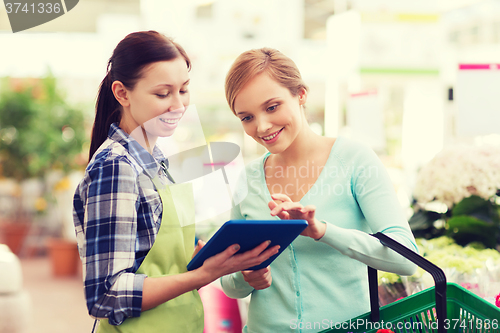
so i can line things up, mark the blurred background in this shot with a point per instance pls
(416, 80)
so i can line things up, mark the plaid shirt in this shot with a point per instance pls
(117, 213)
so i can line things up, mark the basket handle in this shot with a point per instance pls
(436, 272)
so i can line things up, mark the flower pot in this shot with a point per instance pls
(64, 257)
(13, 234)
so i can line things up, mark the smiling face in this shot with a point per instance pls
(158, 100)
(269, 113)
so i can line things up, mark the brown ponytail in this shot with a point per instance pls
(107, 112)
(129, 58)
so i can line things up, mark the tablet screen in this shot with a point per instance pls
(248, 234)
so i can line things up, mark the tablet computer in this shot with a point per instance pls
(248, 234)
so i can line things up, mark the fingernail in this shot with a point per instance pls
(236, 247)
(268, 242)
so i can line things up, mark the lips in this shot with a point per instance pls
(272, 136)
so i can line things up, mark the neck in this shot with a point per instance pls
(302, 148)
(145, 139)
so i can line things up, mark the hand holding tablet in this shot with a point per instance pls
(248, 234)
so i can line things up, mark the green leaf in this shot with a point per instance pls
(423, 219)
(470, 205)
(466, 229)
(422, 224)
(478, 207)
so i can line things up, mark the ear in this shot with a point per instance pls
(121, 93)
(302, 96)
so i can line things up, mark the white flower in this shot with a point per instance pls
(459, 172)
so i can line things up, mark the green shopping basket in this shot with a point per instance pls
(446, 307)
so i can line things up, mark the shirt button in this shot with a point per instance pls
(298, 293)
(300, 316)
(294, 268)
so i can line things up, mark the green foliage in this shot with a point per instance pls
(478, 207)
(465, 229)
(422, 224)
(474, 220)
(39, 131)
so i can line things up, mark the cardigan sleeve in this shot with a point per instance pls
(376, 197)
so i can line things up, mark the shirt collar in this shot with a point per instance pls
(150, 163)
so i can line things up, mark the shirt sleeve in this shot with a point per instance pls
(234, 285)
(375, 195)
(112, 289)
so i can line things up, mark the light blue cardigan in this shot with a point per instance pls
(319, 283)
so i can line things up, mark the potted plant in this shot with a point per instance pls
(16, 109)
(457, 194)
(41, 139)
(62, 248)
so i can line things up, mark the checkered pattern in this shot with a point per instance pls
(117, 212)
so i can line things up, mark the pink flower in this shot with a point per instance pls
(385, 330)
(497, 300)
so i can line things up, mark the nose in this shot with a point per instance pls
(177, 103)
(263, 125)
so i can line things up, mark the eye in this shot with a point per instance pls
(247, 118)
(185, 91)
(272, 108)
(161, 96)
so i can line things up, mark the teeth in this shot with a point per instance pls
(270, 137)
(170, 121)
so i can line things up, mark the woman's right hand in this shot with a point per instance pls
(228, 262)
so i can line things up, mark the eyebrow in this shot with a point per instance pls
(262, 105)
(170, 85)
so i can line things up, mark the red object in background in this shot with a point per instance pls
(64, 257)
(13, 234)
(222, 314)
(385, 330)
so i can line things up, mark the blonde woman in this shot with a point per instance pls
(339, 186)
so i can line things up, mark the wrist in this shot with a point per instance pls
(204, 277)
(322, 230)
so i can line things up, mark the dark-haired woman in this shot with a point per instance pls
(128, 211)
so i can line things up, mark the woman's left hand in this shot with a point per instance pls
(260, 279)
(288, 209)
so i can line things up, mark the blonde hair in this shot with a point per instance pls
(254, 62)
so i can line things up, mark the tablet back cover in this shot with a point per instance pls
(248, 234)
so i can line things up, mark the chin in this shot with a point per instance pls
(166, 134)
(163, 133)
(159, 130)
(273, 149)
